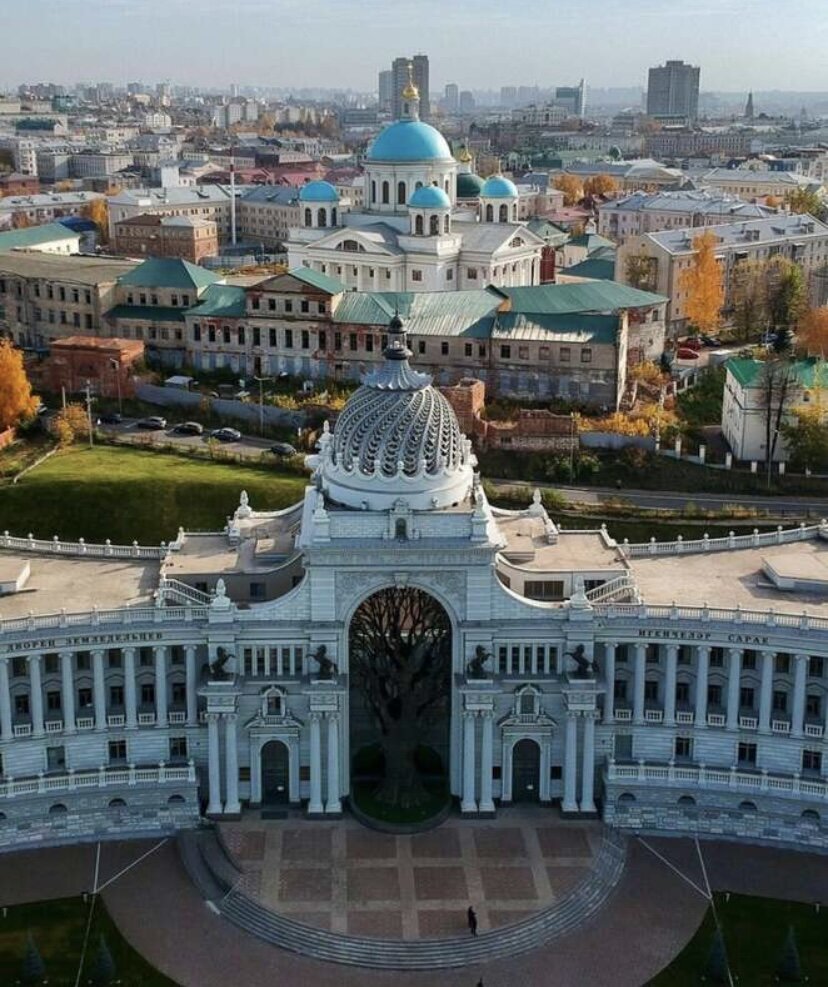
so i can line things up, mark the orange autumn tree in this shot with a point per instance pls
(812, 334)
(601, 185)
(98, 211)
(16, 399)
(702, 283)
(573, 190)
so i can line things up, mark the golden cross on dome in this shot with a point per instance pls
(411, 91)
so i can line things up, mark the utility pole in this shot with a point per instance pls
(89, 412)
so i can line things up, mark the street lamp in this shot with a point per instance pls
(116, 367)
(261, 381)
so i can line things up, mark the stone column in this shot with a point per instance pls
(36, 695)
(161, 715)
(213, 765)
(315, 805)
(702, 666)
(130, 700)
(766, 692)
(334, 805)
(609, 678)
(570, 802)
(486, 801)
(192, 695)
(800, 681)
(67, 689)
(638, 682)
(506, 772)
(6, 725)
(670, 685)
(468, 804)
(734, 679)
(98, 689)
(231, 766)
(588, 765)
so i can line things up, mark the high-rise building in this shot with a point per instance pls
(572, 98)
(451, 97)
(466, 101)
(399, 69)
(673, 92)
(385, 90)
(749, 111)
(508, 96)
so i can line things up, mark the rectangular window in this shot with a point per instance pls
(196, 332)
(523, 352)
(178, 748)
(257, 591)
(444, 348)
(305, 339)
(288, 305)
(225, 332)
(288, 339)
(352, 341)
(717, 657)
(241, 335)
(322, 339)
(816, 667)
(471, 273)
(586, 355)
(467, 349)
(272, 342)
(271, 305)
(683, 749)
(651, 690)
(620, 689)
(53, 701)
(416, 275)
(148, 694)
(116, 695)
(782, 664)
(179, 693)
(749, 661)
(746, 697)
(543, 589)
(682, 692)
(746, 753)
(320, 306)
(714, 694)
(780, 701)
(421, 346)
(337, 340)
(566, 354)
(813, 705)
(812, 762)
(55, 759)
(117, 751)
(505, 352)
(84, 698)
(254, 304)
(304, 305)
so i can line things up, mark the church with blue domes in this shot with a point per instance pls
(428, 223)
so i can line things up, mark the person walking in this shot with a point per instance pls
(472, 917)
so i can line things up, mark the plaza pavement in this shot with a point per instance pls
(648, 919)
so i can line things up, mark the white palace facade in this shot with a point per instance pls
(702, 709)
(420, 228)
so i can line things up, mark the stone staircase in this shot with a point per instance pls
(583, 901)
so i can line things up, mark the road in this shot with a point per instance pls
(127, 431)
(675, 500)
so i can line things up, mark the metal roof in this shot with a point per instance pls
(33, 236)
(221, 301)
(168, 272)
(570, 328)
(587, 296)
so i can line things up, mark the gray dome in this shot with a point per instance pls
(398, 419)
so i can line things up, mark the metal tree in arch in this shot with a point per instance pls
(400, 660)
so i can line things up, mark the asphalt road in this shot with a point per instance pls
(674, 500)
(127, 431)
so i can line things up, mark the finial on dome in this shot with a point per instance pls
(397, 348)
(464, 156)
(411, 91)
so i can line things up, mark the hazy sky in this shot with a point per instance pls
(740, 44)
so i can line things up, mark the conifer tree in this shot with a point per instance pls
(34, 969)
(789, 969)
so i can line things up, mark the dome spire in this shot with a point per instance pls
(411, 97)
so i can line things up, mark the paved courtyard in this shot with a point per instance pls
(344, 878)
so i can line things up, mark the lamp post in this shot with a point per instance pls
(116, 367)
(261, 381)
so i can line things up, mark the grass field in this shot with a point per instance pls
(129, 494)
(754, 934)
(57, 929)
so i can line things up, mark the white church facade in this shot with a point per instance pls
(674, 687)
(414, 232)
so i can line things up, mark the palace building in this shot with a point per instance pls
(427, 223)
(677, 687)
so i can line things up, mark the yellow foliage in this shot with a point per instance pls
(812, 334)
(571, 187)
(703, 284)
(641, 421)
(601, 185)
(17, 402)
(98, 211)
(647, 373)
(71, 423)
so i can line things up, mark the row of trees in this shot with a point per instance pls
(574, 190)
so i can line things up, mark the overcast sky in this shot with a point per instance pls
(740, 44)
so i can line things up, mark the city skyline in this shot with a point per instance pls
(123, 39)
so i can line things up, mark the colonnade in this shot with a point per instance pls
(333, 804)
(469, 801)
(100, 719)
(571, 802)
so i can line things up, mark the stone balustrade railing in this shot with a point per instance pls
(803, 621)
(122, 616)
(759, 782)
(71, 781)
(680, 546)
(170, 589)
(618, 588)
(80, 547)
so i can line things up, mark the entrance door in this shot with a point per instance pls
(526, 771)
(275, 773)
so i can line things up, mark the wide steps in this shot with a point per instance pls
(188, 842)
(428, 954)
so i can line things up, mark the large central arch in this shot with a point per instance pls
(399, 662)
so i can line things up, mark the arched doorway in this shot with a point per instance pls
(275, 773)
(526, 771)
(399, 662)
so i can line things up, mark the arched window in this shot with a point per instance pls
(308, 217)
(373, 191)
(321, 217)
(176, 800)
(400, 193)
(418, 225)
(503, 214)
(490, 213)
(625, 799)
(386, 191)
(333, 216)
(2, 817)
(418, 185)
(117, 804)
(434, 225)
(747, 806)
(401, 529)
(514, 212)
(446, 225)
(686, 801)
(58, 809)
(447, 186)
(811, 817)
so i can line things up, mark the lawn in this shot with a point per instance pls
(130, 494)
(754, 934)
(57, 929)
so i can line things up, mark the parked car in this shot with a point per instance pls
(226, 435)
(691, 343)
(189, 428)
(282, 449)
(711, 341)
(155, 423)
(109, 418)
(686, 353)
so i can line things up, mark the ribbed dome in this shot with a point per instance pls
(469, 186)
(410, 140)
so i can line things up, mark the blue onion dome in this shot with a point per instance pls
(429, 197)
(469, 186)
(410, 140)
(318, 192)
(498, 187)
